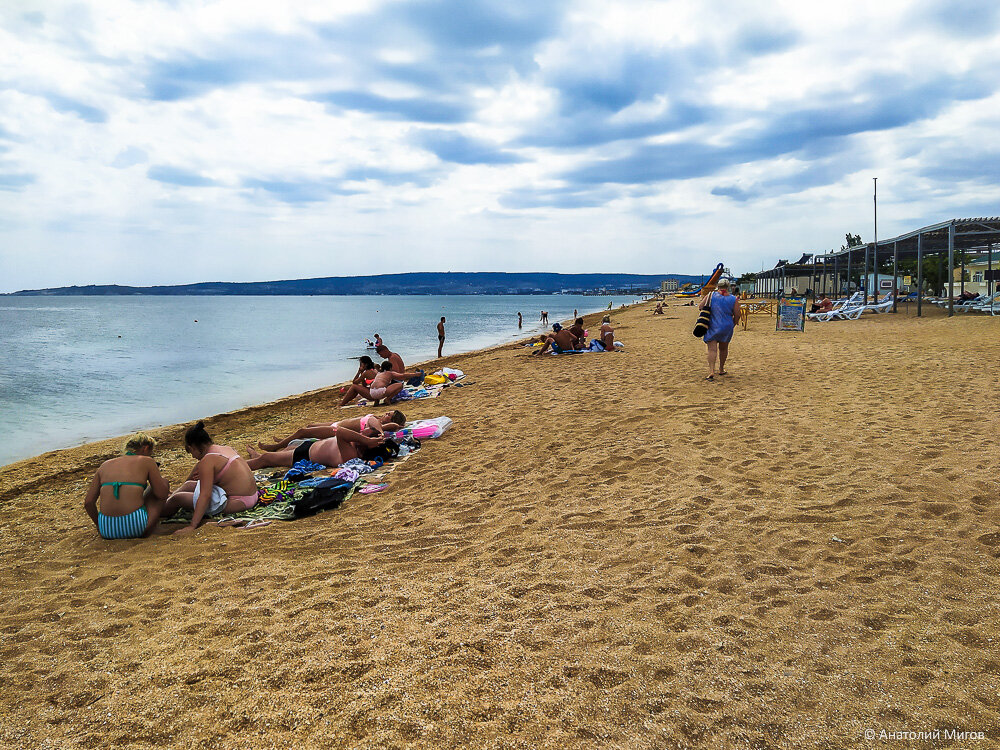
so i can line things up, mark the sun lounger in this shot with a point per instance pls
(980, 304)
(844, 304)
(880, 307)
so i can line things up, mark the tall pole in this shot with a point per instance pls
(865, 274)
(895, 275)
(849, 252)
(951, 269)
(920, 272)
(989, 269)
(875, 246)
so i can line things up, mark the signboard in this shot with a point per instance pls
(885, 284)
(791, 314)
(907, 280)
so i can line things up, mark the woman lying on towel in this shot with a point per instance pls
(333, 451)
(221, 481)
(382, 388)
(131, 492)
(391, 420)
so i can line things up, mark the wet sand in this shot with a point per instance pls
(604, 551)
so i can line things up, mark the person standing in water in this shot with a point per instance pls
(440, 336)
(519, 321)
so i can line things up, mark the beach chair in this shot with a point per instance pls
(880, 307)
(842, 304)
(980, 304)
(849, 313)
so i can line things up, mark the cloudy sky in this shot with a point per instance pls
(175, 141)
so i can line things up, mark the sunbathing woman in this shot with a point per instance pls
(221, 482)
(391, 420)
(131, 492)
(366, 371)
(347, 444)
(607, 334)
(381, 388)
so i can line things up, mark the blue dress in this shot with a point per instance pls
(721, 325)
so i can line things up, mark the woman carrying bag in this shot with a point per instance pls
(724, 312)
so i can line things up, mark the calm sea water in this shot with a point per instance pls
(77, 369)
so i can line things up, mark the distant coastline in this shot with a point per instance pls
(457, 283)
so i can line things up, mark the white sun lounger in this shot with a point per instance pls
(843, 304)
(880, 307)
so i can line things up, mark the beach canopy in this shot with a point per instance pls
(971, 238)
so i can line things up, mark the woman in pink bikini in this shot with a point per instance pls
(382, 388)
(221, 482)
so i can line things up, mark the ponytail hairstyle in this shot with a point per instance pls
(197, 435)
(137, 442)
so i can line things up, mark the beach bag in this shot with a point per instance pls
(321, 498)
(701, 327)
(388, 450)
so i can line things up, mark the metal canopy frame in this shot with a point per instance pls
(970, 237)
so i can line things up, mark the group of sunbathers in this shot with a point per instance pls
(574, 338)
(383, 383)
(134, 496)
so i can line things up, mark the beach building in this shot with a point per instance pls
(981, 274)
(669, 285)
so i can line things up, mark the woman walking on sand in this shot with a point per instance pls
(725, 312)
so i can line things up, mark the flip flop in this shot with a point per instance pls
(226, 522)
(370, 488)
(710, 378)
(723, 373)
(256, 524)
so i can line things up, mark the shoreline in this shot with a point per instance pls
(75, 440)
(87, 456)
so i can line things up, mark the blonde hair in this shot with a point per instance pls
(723, 284)
(137, 441)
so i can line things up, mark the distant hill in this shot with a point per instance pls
(395, 283)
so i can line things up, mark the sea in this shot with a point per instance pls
(78, 369)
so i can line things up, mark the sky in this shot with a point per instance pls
(176, 142)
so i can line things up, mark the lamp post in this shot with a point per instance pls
(875, 246)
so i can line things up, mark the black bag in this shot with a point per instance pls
(319, 499)
(701, 327)
(386, 451)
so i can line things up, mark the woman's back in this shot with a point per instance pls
(721, 322)
(123, 481)
(230, 471)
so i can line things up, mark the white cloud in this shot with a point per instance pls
(148, 143)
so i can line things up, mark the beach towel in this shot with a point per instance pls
(422, 429)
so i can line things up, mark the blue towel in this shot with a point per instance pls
(301, 469)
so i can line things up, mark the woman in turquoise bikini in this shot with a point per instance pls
(130, 490)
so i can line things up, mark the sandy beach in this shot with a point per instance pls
(603, 551)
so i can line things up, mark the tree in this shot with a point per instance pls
(853, 240)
